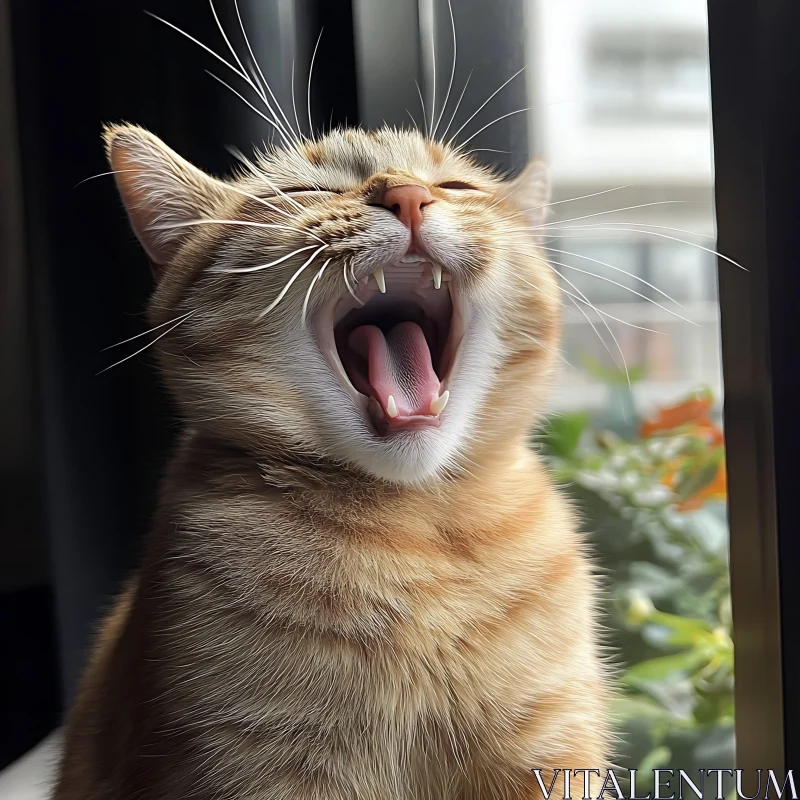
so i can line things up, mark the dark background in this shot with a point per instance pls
(82, 453)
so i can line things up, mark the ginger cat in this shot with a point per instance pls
(361, 582)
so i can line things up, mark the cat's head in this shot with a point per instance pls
(374, 298)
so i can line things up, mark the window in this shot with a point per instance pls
(621, 112)
(647, 76)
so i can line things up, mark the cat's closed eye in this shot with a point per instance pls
(458, 186)
(304, 190)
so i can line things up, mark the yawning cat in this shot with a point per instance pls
(361, 582)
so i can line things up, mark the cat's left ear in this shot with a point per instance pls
(530, 192)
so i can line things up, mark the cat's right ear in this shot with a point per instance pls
(530, 192)
(162, 192)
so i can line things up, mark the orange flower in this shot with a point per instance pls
(716, 490)
(693, 411)
(692, 469)
(708, 431)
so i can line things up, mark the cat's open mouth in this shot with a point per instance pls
(393, 341)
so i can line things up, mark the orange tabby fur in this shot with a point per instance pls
(304, 628)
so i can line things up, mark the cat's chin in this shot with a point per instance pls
(393, 343)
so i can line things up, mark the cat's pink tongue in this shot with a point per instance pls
(399, 368)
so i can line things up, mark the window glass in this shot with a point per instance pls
(621, 110)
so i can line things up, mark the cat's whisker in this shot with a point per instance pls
(660, 227)
(264, 81)
(260, 175)
(592, 228)
(231, 67)
(452, 71)
(144, 333)
(289, 283)
(621, 286)
(621, 237)
(103, 175)
(260, 113)
(227, 186)
(265, 266)
(612, 317)
(489, 125)
(308, 91)
(568, 200)
(294, 102)
(149, 344)
(422, 103)
(483, 105)
(198, 43)
(240, 222)
(546, 349)
(504, 198)
(228, 43)
(552, 224)
(580, 295)
(286, 132)
(583, 299)
(251, 70)
(458, 105)
(197, 421)
(261, 201)
(349, 287)
(433, 76)
(616, 269)
(243, 160)
(416, 124)
(599, 311)
(311, 289)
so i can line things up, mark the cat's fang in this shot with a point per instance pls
(391, 407)
(436, 271)
(380, 279)
(438, 404)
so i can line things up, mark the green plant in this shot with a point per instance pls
(654, 510)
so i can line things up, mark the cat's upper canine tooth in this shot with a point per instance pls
(380, 279)
(436, 271)
(391, 407)
(438, 404)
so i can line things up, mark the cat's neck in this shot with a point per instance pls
(204, 464)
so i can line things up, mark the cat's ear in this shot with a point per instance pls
(530, 192)
(161, 191)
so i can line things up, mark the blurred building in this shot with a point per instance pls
(619, 92)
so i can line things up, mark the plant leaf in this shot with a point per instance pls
(682, 630)
(658, 669)
(562, 433)
(655, 759)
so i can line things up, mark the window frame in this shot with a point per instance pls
(754, 68)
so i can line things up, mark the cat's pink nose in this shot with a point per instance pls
(406, 203)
